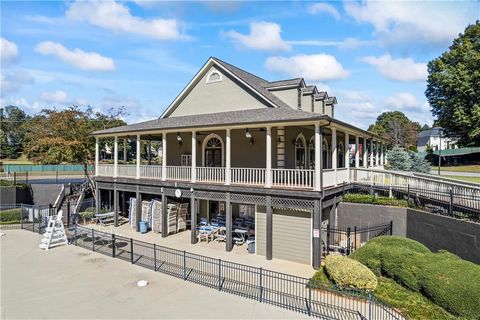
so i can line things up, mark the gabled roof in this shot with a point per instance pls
(310, 90)
(332, 100)
(433, 132)
(296, 82)
(321, 95)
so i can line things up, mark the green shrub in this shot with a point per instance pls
(87, 215)
(320, 279)
(396, 257)
(452, 283)
(10, 216)
(349, 273)
(374, 199)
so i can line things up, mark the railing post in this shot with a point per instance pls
(219, 274)
(408, 194)
(355, 237)
(309, 305)
(131, 250)
(260, 297)
(391, 227)
(184, 265)
(21, 217)
(154, 257)
(113, 245)
(26, 175)
(348, 241)
(327, 251)
(450, 206)
(369, 305)
(93, 240)
(14, 178)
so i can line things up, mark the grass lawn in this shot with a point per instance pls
(411, 304)
(471, 168)
(468, 179)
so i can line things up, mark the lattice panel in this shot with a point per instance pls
(210, 195)
(171, 192)
(247, 199)
(285, 203)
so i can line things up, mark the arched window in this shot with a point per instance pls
(212, 151)
(214, 76)
(340, 155)
(300, 152)
(325, 154)
(311, 153)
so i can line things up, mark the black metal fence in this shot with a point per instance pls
(346, 240)
(450, 203)
(267, 286)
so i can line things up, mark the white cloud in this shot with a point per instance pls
(12, 82)
(60, 97)
(117, 17)
(427, 22)
(315, 67)
(403, 69)
(403, 100)
(263, 36)
(324, 8)
(347, 43)
(118, 101)
(77, 58)
(8, 50)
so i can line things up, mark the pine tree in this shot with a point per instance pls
(398, 159)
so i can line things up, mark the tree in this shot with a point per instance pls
(397, 129)
(453, 87)
(398, 159)
(12, 131)
(65, 136)
(419, 164)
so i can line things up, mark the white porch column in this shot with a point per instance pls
(381, 154)
(115, 157)
(193, 177)
(334, 155)
(365, 152)
(371, 153)
(377, 153)
(347, 150)
(357, 153)
(164, 156)
(268, 165)
(318, 158)
(228, 160)
(137, 154)
(97, 156)
(125, 151)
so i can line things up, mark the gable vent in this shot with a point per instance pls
(214, 76)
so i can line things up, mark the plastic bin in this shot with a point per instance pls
(251, 247)
(143, 226)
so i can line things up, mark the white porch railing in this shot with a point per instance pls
(151, 172)
(105, 170)
(248, 176)
(179, 173)
(342, 175)
(293, 178)
(210, 174)
(127, 170)
(328, 177)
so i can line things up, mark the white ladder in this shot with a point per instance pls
(54, 233)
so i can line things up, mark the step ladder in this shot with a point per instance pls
(54, 233)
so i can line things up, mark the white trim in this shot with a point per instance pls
(207, 80)
(204, 143)
(192, 82)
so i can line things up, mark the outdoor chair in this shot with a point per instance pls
(220, 235)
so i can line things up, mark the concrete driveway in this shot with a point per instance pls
(71, 282)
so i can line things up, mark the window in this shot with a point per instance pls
(300, 152)
(186, 160)
(325, 154)
(213, 151)
(214, 76)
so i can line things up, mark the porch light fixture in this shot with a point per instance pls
(179, 138)
(248, 134)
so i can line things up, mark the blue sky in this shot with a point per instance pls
(371, 55)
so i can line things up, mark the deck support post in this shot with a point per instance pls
(138, 153)
(115, 205)
(193, 219)
(316, 234)
(98, 200)
(229, 224)
(377, 153)
(228, 158)
(371, 153)
(164, 214)
(365, 153)
(115, 157)
(347, 151)
(318, 157)
(125, 141)
(269, 227)
(357, 153)
(193, 176)
(138, 209)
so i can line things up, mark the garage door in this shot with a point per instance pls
(291, 235)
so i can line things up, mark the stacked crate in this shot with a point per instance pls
(182, 216)
(132, 212)
(146, 212)
(172, 217)
(157, 208)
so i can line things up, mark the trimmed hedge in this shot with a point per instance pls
(10, 216)
(349, 273)
(374, 199)
(452, 283)
(444, 278)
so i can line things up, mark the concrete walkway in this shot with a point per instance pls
(72, 283)
(456, 173)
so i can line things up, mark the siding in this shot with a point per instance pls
(289, 96)
(261, 227)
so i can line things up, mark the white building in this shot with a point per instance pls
(435, 139)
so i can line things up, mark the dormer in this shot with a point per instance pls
(308, 98)
(289, 91)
